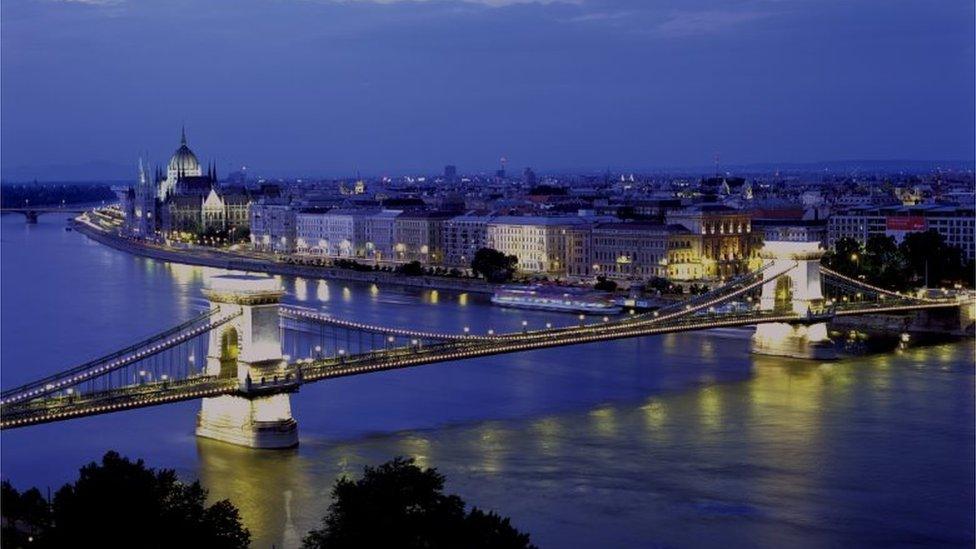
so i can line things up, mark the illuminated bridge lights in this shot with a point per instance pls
(454, 347)
(121, 362)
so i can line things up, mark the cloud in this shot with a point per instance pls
(488, 3)
(598, 16)
(695, 23)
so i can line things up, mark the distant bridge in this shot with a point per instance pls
(232, 356)
(31, 213)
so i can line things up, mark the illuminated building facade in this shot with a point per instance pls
(718, 240)
(273, 226)
(539, 243)
(463, 236)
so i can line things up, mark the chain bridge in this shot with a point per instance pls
(232, 359)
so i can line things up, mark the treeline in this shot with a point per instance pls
(18, 196)
(122, 503)
(922, 259)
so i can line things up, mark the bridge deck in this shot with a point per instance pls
(41, 404)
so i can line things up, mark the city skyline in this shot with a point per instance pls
(396, 87)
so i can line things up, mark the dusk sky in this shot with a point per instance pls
(327, 88)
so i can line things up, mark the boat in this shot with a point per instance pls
(555, 298)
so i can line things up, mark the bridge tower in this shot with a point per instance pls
(249, 349)
(799, 292)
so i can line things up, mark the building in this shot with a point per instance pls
(788, 230)
(857, 223)
(273, 226)
(142, 217)
(720, 235)
(635, 251)
(183, 165)
(684, 254)
(463, 236)
(579, 255)
(184, 199)
(380, 233)
(339, 232)
(450, 173)
(418, 237)
(539, 243)
(957, 224)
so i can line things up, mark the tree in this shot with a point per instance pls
(120, 503)
(883, 264)
(845, 257)
(25, 516)
(660, 284)
(604, 285)
(494, 265)
(931, 261)
(398, 504)
(414, 268)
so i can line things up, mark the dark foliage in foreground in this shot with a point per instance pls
(398, 504)
(120, 503)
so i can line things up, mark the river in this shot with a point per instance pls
(675, 441)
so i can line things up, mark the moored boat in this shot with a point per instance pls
(555, 298)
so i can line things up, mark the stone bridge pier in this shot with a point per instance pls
(248, 348)
(799, 292)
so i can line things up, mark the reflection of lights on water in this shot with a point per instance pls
(374, 290)
(184, 274)
(418, 448)
(463, 299)
(322, 292)
(492, 445)
(707, 348)
(655, 415)
(946, 353)
(548, 432)
(346, 294)
(605, 421)
(710, 408)
(301, 289)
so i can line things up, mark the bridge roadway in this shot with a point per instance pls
(43, 209)
(58, 408)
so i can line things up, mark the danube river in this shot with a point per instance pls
(676, 441)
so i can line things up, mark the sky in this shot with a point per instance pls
(330, 88)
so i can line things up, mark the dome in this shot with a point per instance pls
(184, 160)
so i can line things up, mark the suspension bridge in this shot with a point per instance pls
(232, 357)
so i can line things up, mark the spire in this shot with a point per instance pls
(142, 173)
(183, 135)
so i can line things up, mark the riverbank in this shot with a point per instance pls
(226, 260)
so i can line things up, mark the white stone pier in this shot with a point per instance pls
(798, 291)
(249, 348)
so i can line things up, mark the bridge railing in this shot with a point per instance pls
(104, 367)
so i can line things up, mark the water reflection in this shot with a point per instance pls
(265, 486)
(301, 289)
(679, 440)
(756, 448)
(322, 292)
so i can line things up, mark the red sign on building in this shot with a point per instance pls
(905, 223)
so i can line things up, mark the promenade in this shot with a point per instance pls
(221, 259)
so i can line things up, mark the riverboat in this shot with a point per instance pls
(555, 298)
